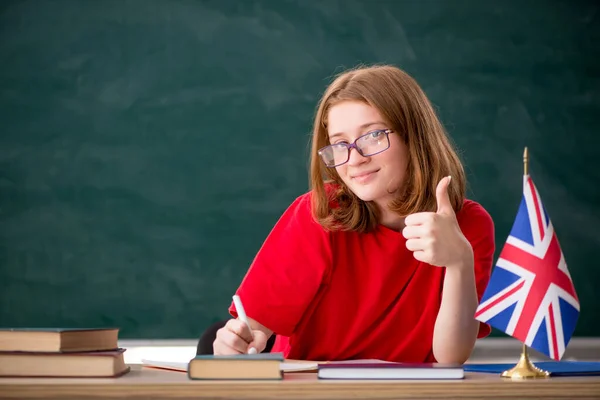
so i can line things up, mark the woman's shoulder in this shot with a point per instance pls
(297, 222)
(304, 201)
(301, 209)
(471, 207)
(474, 215)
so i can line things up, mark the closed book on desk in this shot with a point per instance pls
(100, 364)
(373, 369)
(243, 366)
(58, 339)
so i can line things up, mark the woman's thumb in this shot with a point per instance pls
(258, 344)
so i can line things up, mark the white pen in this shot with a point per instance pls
(242, 316)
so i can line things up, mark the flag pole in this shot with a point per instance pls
(525, 368)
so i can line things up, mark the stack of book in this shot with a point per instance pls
(61, 352)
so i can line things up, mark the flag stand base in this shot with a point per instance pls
(525, 369)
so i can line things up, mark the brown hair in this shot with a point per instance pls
(405, 107)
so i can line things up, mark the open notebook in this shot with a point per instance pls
(182, 366)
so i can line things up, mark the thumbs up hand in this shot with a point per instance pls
(435, 237)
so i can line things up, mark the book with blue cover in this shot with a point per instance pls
(555, 368)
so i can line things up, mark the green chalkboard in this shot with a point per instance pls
(148, 147)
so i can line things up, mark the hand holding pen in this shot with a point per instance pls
(242, 316)
(237, 336)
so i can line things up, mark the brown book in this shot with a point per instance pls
(245, 366)
(58, 339)
(93, 364)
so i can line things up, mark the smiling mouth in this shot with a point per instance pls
(363, 176)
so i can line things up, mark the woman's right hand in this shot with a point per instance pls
(236, 338)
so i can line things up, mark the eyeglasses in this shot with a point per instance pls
(369, 144)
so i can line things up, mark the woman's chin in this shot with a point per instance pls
(365, 195)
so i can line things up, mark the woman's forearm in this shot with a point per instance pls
(456, 328)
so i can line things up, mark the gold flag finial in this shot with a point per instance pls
(525, 162)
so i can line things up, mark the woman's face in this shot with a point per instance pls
(372, 178)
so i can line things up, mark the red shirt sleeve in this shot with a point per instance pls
(287, 271)
(478, 227)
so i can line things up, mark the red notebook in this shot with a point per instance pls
(375, 369)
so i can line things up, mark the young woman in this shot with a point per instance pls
(383, 258)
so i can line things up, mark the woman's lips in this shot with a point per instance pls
(363, 177)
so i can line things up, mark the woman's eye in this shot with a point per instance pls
(376, 134)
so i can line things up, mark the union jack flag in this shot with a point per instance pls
(530, 295)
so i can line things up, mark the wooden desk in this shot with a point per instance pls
(160, 384)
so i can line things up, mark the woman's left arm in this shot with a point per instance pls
(437, 239)
(456, 329)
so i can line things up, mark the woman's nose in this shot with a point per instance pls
(355, 158)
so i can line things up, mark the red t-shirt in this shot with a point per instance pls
(347, 295)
